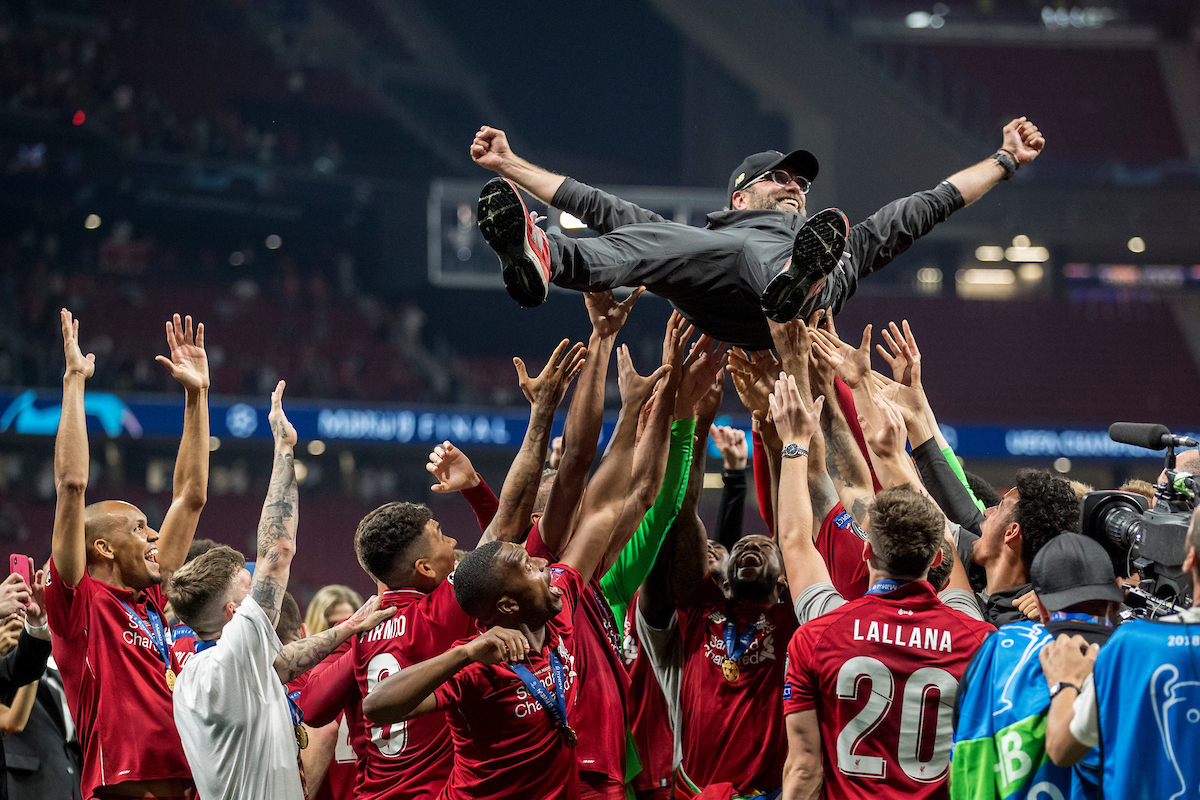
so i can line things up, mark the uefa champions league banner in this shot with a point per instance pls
(136, 416)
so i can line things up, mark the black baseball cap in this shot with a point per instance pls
(1071, 569)
(802, 162)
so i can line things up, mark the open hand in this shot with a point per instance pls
(188, 362)
(704, 363)
(753, 376)
(731, 442)
(794, 420)
(548, 388)
(710, 403)
(77, 362)
(635, 389)
(36, 612)
(498, 644)
(1023, 139)
(490, 149)
(886, 433)
(368, 616)
(606, 314)
(281, 429)
(452, 468)
(851, 364)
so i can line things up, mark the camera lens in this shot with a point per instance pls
(1123, 526)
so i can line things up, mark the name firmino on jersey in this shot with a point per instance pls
(913, 636)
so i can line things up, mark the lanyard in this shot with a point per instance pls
(1061, 615)
(743, 641)
(154, 633)
(182, 631)
(885, 585)
(294, 708)
(556, 704)
(204, 644)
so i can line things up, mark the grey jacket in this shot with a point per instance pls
(717, 283)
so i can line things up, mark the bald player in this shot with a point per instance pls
(104, 598)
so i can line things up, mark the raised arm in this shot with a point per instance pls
(885, 440)
(302, 655)
(71, 459)
(845, 465)
(544, 393)
(599, 210)
(610, 486)
(491, 150)
(1022, 143)
(409, 693)
(628, 545)
(188, 364)
(797, 420)
(281, 510)
(585, 417)
(731, 444)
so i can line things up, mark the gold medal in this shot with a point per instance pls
(568, 736)
(729, 669)
(170, 678)
(301, 737)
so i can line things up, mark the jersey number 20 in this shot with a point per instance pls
(915, 727)
(390, 739)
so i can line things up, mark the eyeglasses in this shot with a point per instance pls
(783, 178)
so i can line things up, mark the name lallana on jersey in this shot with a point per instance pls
(914, 636)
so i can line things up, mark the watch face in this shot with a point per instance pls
(791, 450)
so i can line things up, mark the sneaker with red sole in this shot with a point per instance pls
(815, 254)
(523, 249)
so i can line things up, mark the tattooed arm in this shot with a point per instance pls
(303, 654)
(277, 525)
(544, 393)
(844, 461)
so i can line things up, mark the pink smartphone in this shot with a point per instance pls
(22, 566)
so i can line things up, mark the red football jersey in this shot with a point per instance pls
(114, 681)
(332, 693)
(882, 673)
(733, 732)
(649, 718)
(505, 744)
(411, 759)
(339, 778)
(601, 720)
(840, 543)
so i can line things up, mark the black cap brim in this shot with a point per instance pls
(802, 162)
(1065, 598)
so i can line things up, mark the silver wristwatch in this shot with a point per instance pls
(793, 450)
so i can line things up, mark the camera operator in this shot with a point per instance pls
(1142, 698)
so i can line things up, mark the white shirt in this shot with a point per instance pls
(232, 714)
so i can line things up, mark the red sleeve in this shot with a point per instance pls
(483, 502)
(463, 688)
(571, 582)
(799, 684)
(846, 401)
(536, 547)
(331, 688)
(66, 606)
(762, 482)
(840, 543)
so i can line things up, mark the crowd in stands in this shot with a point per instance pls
(95, 72)
(893, 627)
